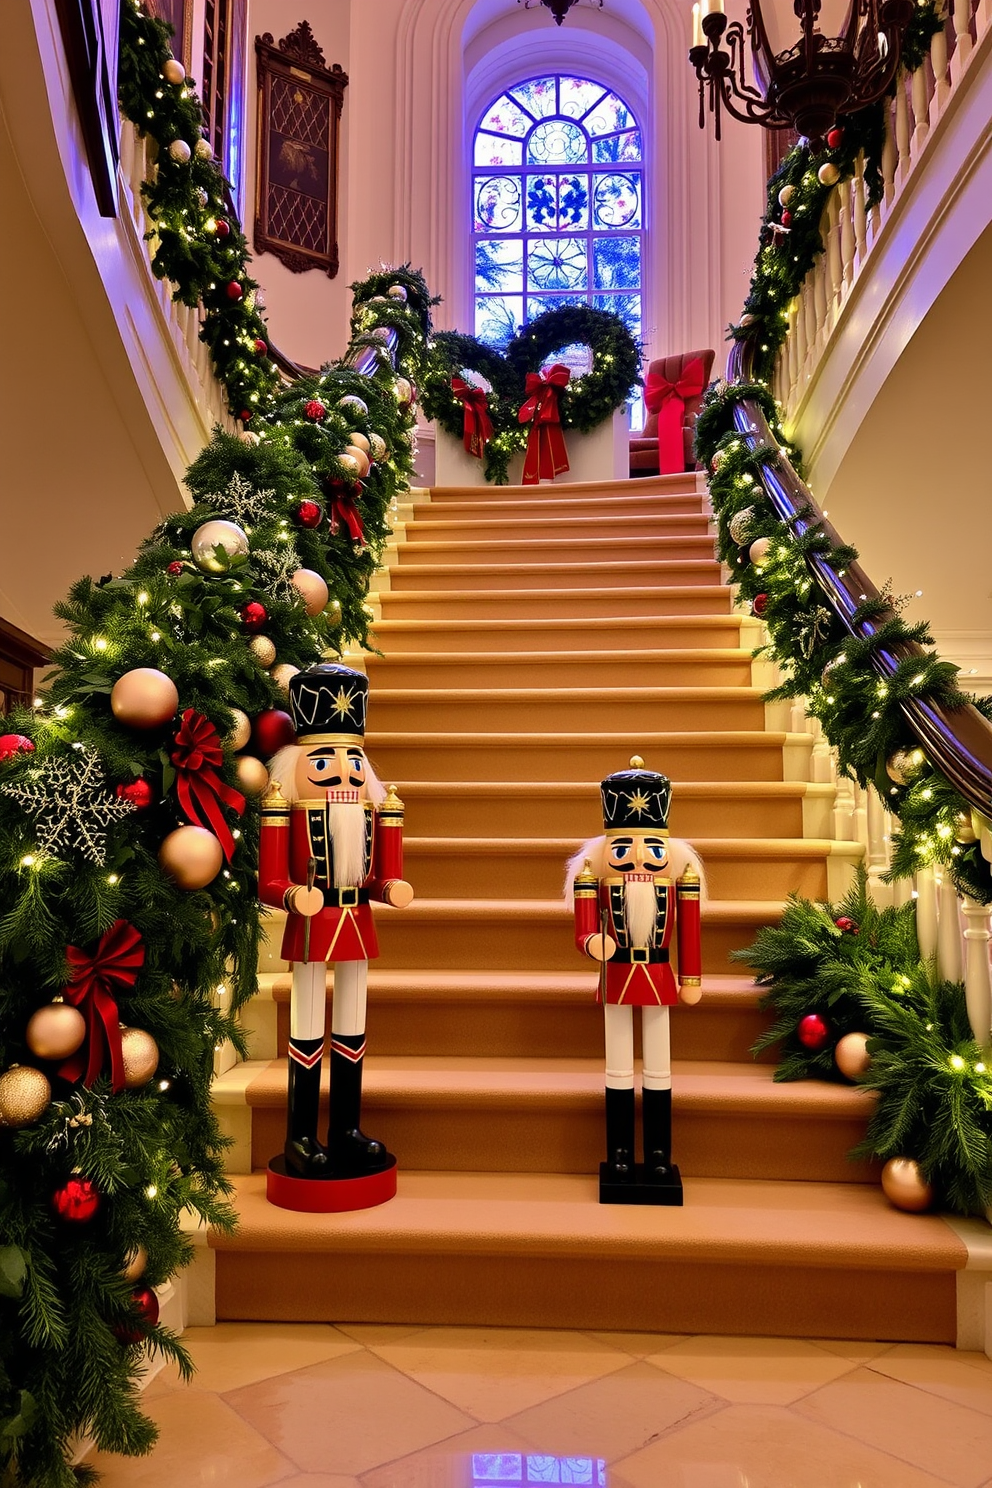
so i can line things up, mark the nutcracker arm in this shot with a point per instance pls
(587, 916)
(274, 882)
(387, 878)
(688, 929)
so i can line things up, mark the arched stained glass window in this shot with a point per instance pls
(558, 204)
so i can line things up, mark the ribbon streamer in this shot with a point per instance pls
(668, 400)
(545, 456)
(342, 511)
(196, 754)
(478, 428)
(114, 964)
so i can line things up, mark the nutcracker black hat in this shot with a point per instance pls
(636, 800)
(328, 703)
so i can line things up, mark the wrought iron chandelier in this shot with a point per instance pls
(558, 8)
(839, 64)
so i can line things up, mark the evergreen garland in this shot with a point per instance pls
(859, 968)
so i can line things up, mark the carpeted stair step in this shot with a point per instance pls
(566, 547)
(489, 1114)
(571, 809)
(552, 600)
(539, 636)
(728, 755)
(551, 576)
(806, 1260)
(540, 526)
(596, 707)
(492, 507)
(488, 669)
(656, 489)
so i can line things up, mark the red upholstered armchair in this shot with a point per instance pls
(644, 446)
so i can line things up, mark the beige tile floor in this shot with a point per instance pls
(314, 1406)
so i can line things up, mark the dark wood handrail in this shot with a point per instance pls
(958, 741)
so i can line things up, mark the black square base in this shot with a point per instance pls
(641, 1189)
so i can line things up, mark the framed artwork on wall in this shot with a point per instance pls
(179, 15)
(296, 178)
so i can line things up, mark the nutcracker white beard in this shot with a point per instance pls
(642, 912)
(346, 829)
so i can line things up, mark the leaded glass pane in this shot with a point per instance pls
(557, 142)
(617, 149)
(494, 149)
(616, 259)
(537, 96)
(609, 115)
(497, 1467)
(557, 201)
(506, 118)
(542, 202)
(539, 304)
(576, 96)
(576, 357)
(499, 264)
(498, 206)
(557, 263)
(617, 201)
(497, 318)
(627, 306)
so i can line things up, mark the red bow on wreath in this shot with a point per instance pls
(478, 428)
(668, 400)
(115, 963)
(545, 456)
(196, 754)
(342, 511)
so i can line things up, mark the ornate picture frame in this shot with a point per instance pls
(296, 178)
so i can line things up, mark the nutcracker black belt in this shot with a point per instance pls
(639, 956)
(344, 898)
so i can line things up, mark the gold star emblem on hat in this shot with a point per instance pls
(639, 803)
(343, 702)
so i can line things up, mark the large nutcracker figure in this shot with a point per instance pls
(636, 895)
(331, 841)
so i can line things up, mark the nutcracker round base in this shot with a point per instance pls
(327, 1195)
(642, 1188)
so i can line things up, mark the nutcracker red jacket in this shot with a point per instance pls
(343, 930)
(641, 976)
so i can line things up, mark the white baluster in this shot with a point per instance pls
(926, 912)
(877, 852)
(902, 891)
(948, 932)
(890, 159)
(820, 301)
(809, 314)
(962, 37)
(835, 264)
(921, 109)
(941, 83)
(847, 246)
(860, 820)
(902, 125)
(844, 810)
(978, 991)
(860, 215)
(821, 765)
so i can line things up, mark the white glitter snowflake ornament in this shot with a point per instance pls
(275, 569)
(66, 797)
(240, 502)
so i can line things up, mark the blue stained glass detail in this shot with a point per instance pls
(506, 118)
(557, 201)
(539, 97)
(617, 149)
(616, 260)
(536, 1467)
(499, 263)
(498, 204)
(557, 142)
(557, 263)
(617, 202)
(577, 96)
(497, 318)
(609, 115)
(494, 149)
(497, 1467)
(627, 306)
(538, 304)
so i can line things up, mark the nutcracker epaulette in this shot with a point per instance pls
(688, 885)
(391, 809)
(274, 804)
(586, 885)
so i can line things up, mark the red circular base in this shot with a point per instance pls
(327, 1195)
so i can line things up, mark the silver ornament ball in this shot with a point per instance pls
(218, 546)
(739, 523)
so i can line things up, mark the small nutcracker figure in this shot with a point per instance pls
(635, 890)
(331, 841)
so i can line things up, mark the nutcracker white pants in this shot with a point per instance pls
(309, 998)
(656, 1045)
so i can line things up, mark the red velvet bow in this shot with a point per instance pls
(342, 511)
(196, 754)
(668, 400)
(478, 428)
(545, 456)
(115, 963)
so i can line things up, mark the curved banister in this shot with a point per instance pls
(958, 741)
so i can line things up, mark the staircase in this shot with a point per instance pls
(533, 639)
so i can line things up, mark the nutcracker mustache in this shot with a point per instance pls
(642, 911)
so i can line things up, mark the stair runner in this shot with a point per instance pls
(530, 646)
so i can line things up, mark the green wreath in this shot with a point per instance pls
(452, 354)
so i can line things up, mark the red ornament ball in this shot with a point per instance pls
(175, 568)
(11, 744)
(245, 415)
(223, 228)
(234, 291)
(786, 219)
(309, 513)
(139, 792)
(834, 137)
(145, 1303)
(844, 922)
(261, 346)
(315, 410)
(271, 731)
(813, 1032)
(77, 1200)
(254, 616)
(759, 604)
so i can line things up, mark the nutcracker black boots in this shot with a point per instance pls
(657, 1133)
(303, 1153)
(619, 1134)
(350, 1151)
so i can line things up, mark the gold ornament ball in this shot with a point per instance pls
(144, 698)
(740, 522)
(140, 1053)
(263, 650)
(135, 1263)
(397, 292)
(283, 674)
(903, 764)
(360, 458)
(828, 174)
(785, 195)
(349, 464)
(312, 588)
(758, 551)
(191, 856)
(180, 151)
(378, 446)
(358, 441)
(851, 1055)
(173, 71)
(252, 775)
(404, 391)
(218, 546)
(964, 828)
(25, 1095)
(203, 151)
(905, 1186)
(55, 1031)
(240, 731)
